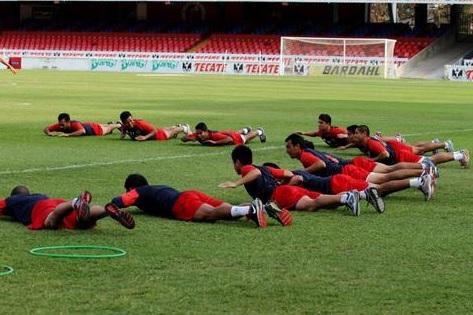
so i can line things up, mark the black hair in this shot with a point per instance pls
(20, 190)
(271, 164)
(300, 141)
(352, 128)
(134, 181)
(201, 126)
(363, 129)
(64, 116)
(124, 115)
(243, 154)
(326, 118)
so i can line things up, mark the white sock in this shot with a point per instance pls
(344, 198)
(457, 156)
(259, 132)
(415, 182)
(239, 211)
(363, 195)
(445, 145)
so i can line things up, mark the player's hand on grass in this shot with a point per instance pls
(140, 138)
(13, 70)
(227, 185)
(210, 142)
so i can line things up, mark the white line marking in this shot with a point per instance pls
(437, 132)
(98, 164)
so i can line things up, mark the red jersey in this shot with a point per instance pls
(277, 173)
(91, 128)
(307, 158)
(335, 137)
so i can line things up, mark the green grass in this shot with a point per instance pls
(415, 258)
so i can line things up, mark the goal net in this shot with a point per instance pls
(337, 56)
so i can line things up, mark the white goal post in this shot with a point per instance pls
(337, 56)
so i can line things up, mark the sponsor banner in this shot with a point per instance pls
(347, 70)
(459, 73)
(468, 62)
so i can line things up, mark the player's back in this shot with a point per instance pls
(20, 206)
(157, 199)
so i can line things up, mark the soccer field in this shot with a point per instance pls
(415, 258)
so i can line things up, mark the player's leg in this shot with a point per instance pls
(377, 178)
(350, 199)
(226, 211)
(462, 156)
(421, 148)
(109, 128)
(425, 183)
(79, 204)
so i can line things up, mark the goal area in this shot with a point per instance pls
(369, 57)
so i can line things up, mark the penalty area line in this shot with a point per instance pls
(117, 162)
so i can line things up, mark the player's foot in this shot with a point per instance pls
(434, 172)
(465, 162)
(81, 205)
(186, 128)
(449, 146)
(374, 199)
(353, 202)
(436, 140)
(122, 217)
(262, 135)
(427, 187)
(246, 130)
(283, 216)
(399, 138)
(257, 214)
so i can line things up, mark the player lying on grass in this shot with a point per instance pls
(392, 152)
(325, 164)
(141, 130)
(193, 205)
(419, 148)
(9, 66)
(331, 135)
(266, 183)
(65, 127)
(38, 211)
(211, 137)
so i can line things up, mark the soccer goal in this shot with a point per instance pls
(338, 56)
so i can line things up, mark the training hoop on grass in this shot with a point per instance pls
(5, 270)
(115, 251)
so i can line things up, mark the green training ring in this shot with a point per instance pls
(41, 251)
(8, 270)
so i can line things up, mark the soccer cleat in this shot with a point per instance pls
(353, 202)
(186, 128)
(465, 161)
(449, 146)
(434, 172)
(427, 187)
(283, 216)
(262, 136)
(123, 217)
(246, 130)
(257, 214)
(81, 205)
(374, 199)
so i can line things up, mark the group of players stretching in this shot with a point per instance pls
(325, 181)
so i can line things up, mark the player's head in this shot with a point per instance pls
(351, 132)
(361, 132)
(20, 190)
(325, 121)
(127, 119)
(241, 156)
(64, 120)
(202, 131)
(294, 145)
(134, 181)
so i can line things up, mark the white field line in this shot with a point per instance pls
(438, 132)
(116, 162)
